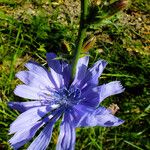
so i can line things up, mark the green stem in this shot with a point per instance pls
(81, 35)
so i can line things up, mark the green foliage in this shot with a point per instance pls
(38, 28)
(141, 5)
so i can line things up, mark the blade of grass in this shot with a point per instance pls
(133, 145)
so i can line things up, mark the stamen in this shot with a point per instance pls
(64, 96)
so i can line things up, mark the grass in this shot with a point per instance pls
(38, 28)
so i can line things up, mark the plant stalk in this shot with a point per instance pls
(81, 35)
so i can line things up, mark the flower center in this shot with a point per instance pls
(67, 97)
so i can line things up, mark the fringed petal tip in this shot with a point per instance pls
(51, 55)
(116, 87)
(10, 104)
(11, 145)
(28, 92)
(10, 132)
(99, 117)
(31, 62)
(110, 88)
(119, 87)
(121, 121)
(17, 91)
(104, 63)
(117, 122)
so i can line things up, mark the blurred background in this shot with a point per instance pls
(30, 28)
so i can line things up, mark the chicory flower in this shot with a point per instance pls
(53, 96)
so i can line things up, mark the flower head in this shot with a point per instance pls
(52, 96)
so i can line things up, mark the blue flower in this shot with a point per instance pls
(53, 97)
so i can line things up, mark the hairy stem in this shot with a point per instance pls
(81, 35)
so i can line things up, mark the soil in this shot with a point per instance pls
(135, 23)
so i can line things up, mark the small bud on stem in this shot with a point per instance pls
(89, 44)
(117, 6)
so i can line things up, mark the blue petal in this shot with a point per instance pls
(24, 135)
(23, 106)
(53, 63)
(66, 72)
(90, 96)
(30, 92)
(90, 102)
(36, 68)
(35, 80)
(81, 69)
(55, 69)
(94, 95)
(109, 89)
(60, 71)
(99, 117)
(42, 140)
(92, 75)
(40, 71)
(28, 118)
(66, 139)
(79, 112)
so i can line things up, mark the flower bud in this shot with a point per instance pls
(89, 44)
(117, 6)
(120, 5)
